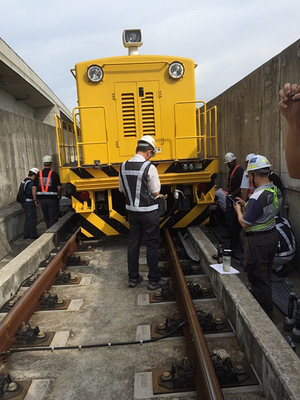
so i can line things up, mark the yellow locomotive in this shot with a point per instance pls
(120, 99)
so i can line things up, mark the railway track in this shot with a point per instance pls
(107, 318)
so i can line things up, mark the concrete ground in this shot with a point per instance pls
(108, 312)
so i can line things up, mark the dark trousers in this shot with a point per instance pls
(30, 220)
(233, 225)
(50, 209)
(144, 224)
(259, 252)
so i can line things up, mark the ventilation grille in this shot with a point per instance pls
(148, 116)
(128, 113)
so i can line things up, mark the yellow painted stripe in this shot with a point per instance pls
(86, 233)
(115, 215)
(205, 222)
(161, 225)
(100, 224)
(188, 218)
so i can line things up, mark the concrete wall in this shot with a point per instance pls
(24, 142)
(249, 121)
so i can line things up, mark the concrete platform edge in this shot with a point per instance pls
(17, 270)
(274, 361)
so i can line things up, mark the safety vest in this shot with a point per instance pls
(134, 179)
(230, 176)
(271, 223)
(44, 184)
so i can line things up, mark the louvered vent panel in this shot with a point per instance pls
(128, 113)
(148, 116)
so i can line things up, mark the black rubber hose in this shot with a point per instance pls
(170, 212)
(91, 346)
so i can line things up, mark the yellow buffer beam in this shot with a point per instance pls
(165, 179)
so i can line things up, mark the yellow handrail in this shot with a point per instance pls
(89, 143)
(209, 132)
(64, 150)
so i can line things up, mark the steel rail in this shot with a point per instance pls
(206, 382)
(30, 300)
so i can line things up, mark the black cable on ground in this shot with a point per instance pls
(91, 346)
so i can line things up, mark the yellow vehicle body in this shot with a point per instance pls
(137, 97)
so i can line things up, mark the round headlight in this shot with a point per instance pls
(95, 73)
(176, 70)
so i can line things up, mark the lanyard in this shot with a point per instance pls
(48, 181)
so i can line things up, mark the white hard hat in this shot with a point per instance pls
(47, 159)
(147, 140)
(258, 162)
(229, 157)
(34, 170)
(249, 156)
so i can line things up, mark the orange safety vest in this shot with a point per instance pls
(230, 178)
(45, 189)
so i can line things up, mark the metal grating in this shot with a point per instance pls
(148, 116)
(128, 114)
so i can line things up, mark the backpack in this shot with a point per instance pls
(21, 197)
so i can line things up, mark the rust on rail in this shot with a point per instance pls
(206, 382)
(29, 302)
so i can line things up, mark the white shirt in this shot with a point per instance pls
(245, 184)
(152, 177)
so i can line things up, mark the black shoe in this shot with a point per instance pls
(133, 282)
(26, 237)
(156, 285)
(282, 271)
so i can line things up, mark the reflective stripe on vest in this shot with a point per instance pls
(134, 203)
(47, 193)
(271, 223)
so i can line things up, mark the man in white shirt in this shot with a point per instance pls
(247, 188)
(140, 183)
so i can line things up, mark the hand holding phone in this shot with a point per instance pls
(231, 199)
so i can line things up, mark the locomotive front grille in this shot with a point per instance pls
(128, 113)
(148, 115)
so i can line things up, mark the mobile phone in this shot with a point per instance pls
(232, 199)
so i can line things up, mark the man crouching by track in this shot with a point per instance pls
(261, 239)
(140, 183)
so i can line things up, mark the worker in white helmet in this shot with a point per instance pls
(26, 199)
(234, 179)
(290, 109)
(47, 191)
(258, 220)
(140, 183)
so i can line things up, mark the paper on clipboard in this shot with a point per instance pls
(219, 268)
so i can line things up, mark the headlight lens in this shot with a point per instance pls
(133, 36)
(95, 73)
(176, 70)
